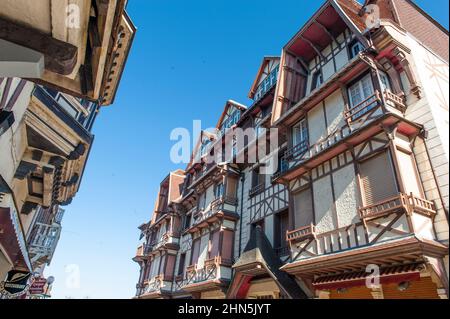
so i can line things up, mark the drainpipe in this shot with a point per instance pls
(242, 210)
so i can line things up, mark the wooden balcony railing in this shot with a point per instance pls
(422, 206)
(256, 190)
(384, 207)
(409, 203)
(301, 233)
(140, 252)
(362, 233)
(209, 271)
(394, 100)
(297, 154)
(362, 108)
(154, 284)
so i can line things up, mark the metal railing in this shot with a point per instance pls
(256, 190)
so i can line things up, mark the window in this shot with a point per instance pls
(385, 82)
(214, 244)
(355, 48)
(300, 141)
(204, 147)
(218, 190)
(317, 80)
(257, 178)
(281, 226)
(181, 264)
(303, 208)
(231, 187)
(299, 133)
(202, 201)
(377, 179)
(195, 251)
(67, 107)
(187, 221)
(362, 98)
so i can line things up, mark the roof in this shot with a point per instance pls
(259, 250)
(229, 103)
(264, 62)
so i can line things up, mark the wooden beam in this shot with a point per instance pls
(315, 48)
(60, 57)
(328, 32)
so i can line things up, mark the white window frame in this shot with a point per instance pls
(303, 129)
(353, 52)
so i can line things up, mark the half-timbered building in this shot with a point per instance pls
(347, 99)
(59, 62)
(358, 204)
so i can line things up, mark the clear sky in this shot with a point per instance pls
(188, 58)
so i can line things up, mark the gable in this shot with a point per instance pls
(268, 65)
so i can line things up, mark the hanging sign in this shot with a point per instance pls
(38, 285)
(16, 283)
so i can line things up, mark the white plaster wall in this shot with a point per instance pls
(423, 227)
(346, 192)
(334, 108)
(328, 70)
(323, 203)
(316, 124)
(341, 59)
(432, 110)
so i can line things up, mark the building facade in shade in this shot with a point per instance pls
(361, 187)
(46, 120)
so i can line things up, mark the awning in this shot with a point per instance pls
(259, 258)
(12, 238)
(387, 275)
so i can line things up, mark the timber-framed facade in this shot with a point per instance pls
(362, 179)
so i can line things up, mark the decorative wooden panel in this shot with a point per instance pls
(274, 199)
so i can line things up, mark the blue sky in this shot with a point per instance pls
(188, 58)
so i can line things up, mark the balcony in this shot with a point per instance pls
(214, 211)
(168, 240)
(140, 253)
(256, 190)
(265, 87)
(361, 116)
(389, 221)
(156, 287)
(43, 242)
(215, 272)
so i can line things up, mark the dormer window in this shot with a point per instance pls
(355, 48)
(230, 121)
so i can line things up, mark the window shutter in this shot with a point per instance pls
(214, 244)
(195, 251)
(303, 207)
(231, 187)
(377, 177)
